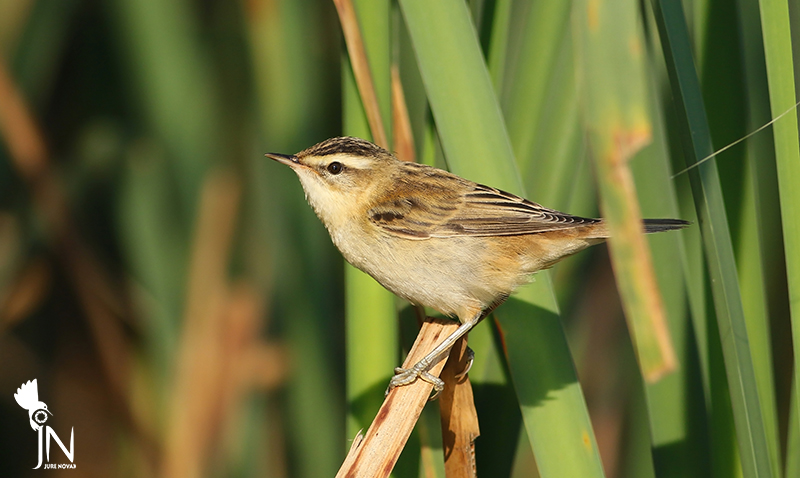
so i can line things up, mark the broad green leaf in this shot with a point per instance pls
(612, 58)
(671, 400)
(735, 90)
(476, 146)
(763, 261)
(696, 141)
(525, 90)
(780, 75)
(371, 322)
(551, 399)
(472, 132)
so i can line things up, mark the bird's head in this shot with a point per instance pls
(338, 175)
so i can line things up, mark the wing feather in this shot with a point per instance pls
(419, 209)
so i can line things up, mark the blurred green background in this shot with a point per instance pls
(184, 310)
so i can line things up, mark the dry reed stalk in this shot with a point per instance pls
(459, 416)
(360, 63)
(375, 454)
(401, 123)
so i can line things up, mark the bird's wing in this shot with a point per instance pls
(419, 210)
(27, 394)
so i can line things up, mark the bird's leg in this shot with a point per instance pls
(406, 376)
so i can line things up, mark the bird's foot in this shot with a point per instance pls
(407, 376)
(470, 360)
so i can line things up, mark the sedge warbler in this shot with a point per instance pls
(433, 238)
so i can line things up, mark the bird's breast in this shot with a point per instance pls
(451, 275)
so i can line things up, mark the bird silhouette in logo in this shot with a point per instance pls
(28, 398)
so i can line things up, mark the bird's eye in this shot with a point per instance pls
(335, 167)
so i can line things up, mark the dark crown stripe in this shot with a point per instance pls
(346, 145)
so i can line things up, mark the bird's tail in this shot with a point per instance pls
(599, 230)
(661, 225)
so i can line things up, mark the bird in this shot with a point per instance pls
(27, 397)
(433, 238)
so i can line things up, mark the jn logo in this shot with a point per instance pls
(28, 398)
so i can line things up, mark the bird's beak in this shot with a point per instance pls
(48, 411)
(287, 159)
